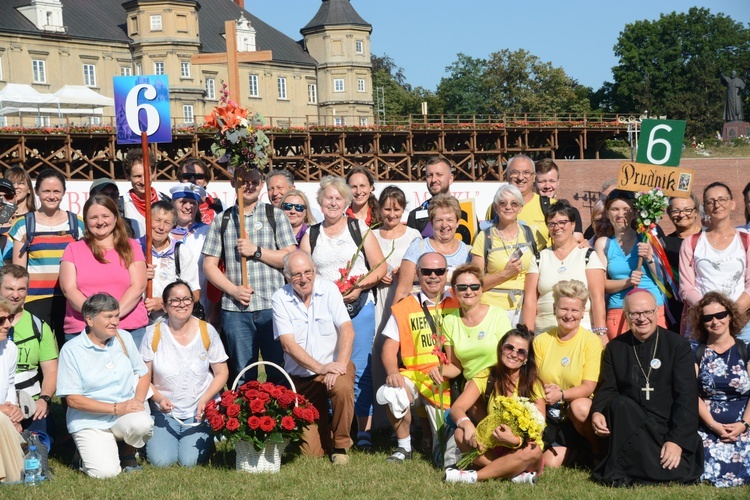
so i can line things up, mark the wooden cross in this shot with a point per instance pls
(232, 58)
(648, 390)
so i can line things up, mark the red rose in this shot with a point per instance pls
(253, 422)
(217, 422)
(251, 394)
(286, 399)
(301, 399)
(233, 410)
(210, 406)
(228, 398)
(309, 415)
(244, 387)
(298, 412)
(287, 423)
(233, 424)
(264, 396)
(267, 424)
(253, 384)
(314, 411)
(267, 386)
(276, 392)
(257, 406)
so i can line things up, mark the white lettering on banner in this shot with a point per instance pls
(416, 193)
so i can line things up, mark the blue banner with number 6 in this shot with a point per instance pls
(142, 105)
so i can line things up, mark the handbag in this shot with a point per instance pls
(353, 308)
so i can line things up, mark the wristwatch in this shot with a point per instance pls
(46, 399)
(747, 426)
(258, 253)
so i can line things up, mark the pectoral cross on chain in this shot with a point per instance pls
(648, 390)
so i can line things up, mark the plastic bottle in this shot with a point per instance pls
(32, 467)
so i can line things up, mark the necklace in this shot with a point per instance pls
(562, 267)
(512, 241)
(722, 238)
(648, 389)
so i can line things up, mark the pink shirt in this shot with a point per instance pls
(93, 277)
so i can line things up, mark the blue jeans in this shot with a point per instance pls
(245, 335)
(173, 443)
(364, 333)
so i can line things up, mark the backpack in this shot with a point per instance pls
(352, 224)
(700, 350)
(744, 238)
(31, 232)
(528, 234)
(37, 324)
(204, 335)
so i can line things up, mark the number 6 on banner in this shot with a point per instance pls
(142, 104)
(661, 142)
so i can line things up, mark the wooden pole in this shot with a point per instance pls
(147, 183)
(239, 186)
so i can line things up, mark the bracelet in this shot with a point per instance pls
(114, 411)
(520, 443)
(600, 330)
(747, 426)
(462, 420)
(562, 396)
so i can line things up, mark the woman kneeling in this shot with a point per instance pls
(95, 374)
(514, 376)
(187, 365)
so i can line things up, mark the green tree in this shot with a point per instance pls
(671, 67)
(400, 98)
(465, 91)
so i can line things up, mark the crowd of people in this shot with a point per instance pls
(372, 318)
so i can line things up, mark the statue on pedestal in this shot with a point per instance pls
(733, 104)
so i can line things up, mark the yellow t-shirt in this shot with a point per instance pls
(498, 258)
(568, 363)
(476, 346)
(532, 214)
(537, 392)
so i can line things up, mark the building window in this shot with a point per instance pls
(184, 70)
(3, 121)
(338, 84)
(312, 93)
(89, 75)
(139, 69)
(210, 88)
(187, 114)
(363, 121)
(281, 84)
(254, 86)
(338, 121)
(156, 22)
(360, 85)
(126, 71)
(360, 46)
(40, 73)
(158, 68)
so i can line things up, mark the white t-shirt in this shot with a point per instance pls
(8, 360)
(720, 270)
(182, 373)
(551, 271)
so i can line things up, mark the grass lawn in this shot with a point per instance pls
(366, 476)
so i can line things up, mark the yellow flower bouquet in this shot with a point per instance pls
(519, 414)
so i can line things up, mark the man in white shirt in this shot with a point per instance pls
(316, 333)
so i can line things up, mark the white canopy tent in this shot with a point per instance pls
(18, 99)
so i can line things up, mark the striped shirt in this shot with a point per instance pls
(43, 256)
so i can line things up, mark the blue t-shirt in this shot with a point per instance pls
(619, 267)
(420, 247)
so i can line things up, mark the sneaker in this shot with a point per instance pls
(132, 468)
(525, 478)
(340, 459)
(399, 456)
(460, 476)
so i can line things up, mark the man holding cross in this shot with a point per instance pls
(646, 404)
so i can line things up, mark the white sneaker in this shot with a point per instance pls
(460, 476)
(525, 477)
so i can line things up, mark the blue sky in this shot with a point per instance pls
(424, 36)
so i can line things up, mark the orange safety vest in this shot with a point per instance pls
(417, 344)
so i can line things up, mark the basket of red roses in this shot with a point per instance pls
(261, 419)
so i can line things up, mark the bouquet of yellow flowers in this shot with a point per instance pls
(517, 413)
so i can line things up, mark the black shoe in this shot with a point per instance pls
(399, 456)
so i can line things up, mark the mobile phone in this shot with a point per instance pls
(517, 253)
(6, 211)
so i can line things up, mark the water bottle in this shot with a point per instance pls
(32, 467)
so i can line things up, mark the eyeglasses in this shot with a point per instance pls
(505, 203)
(707, 318)
(176, 301)
(439, 271)
(717, 201)
(298, 276)
(517, 174)
(474, 287)
(555, 225)
(520, 353)
(297, 207)
(678, 213)
(192, 175)
(9, 317)
(637, 314)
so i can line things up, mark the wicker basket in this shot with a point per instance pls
(267, 460)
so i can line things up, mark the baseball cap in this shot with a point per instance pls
(100, 184)
(188, 190)
(6, 185)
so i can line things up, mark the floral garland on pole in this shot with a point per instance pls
(649, 207)
(438, 350)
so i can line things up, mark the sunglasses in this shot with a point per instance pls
(474, 287)
(707, 318)
(295, 206)
(520, 353)
(9, 317)
(192, 175)
(439, 271)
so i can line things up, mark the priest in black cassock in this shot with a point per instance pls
(646, 403)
